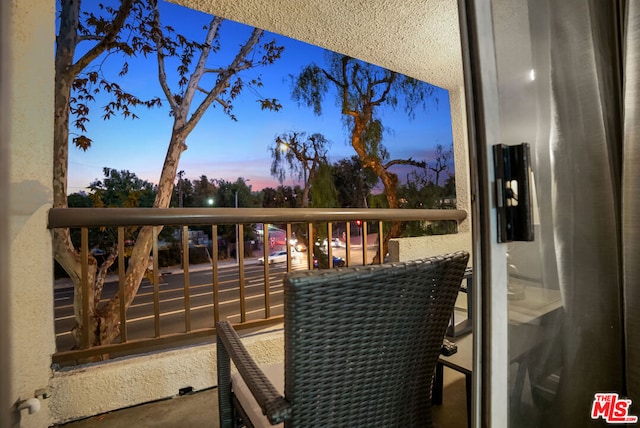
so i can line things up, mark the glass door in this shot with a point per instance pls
(545, 73)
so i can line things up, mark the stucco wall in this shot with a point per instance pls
(30, 181)
(95, 389)
(419, 38)
(461, 155)
(91, 390)
(5, 126)
(426, 246)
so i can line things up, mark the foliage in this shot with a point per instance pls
(361, 90)
(132, 29)
(89, 78)
(323, 190)
(197, 193)
(281, 197)
(353, 183)
(226, 195)
(121, 189)
(80, 200)
(300, 155)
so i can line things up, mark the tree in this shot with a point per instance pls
(204, 191)
(323, 189)
(80, 200)
(238, 195)
(282, 197)
(441, 162)
(353, 183)
(76, 85)
(146, 35)
(121, 189)
(300, 155)
(361, 90)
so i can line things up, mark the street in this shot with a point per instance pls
(140, 315)
(140, 318)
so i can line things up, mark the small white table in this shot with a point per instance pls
(537, 303)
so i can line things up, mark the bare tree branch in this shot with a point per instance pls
(224, 79)
(114, 29)
(162, 74)
(199, 70)
(419, 164)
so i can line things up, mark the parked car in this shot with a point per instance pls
(279, 257)
(337, 262)
(335, 243)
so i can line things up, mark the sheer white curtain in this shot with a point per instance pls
(631, 198)
(587, 177)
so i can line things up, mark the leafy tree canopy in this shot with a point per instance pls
(121, 189)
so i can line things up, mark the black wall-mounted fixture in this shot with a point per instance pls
(512, 165)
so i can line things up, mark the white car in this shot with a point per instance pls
(279, 257)
(335, 243)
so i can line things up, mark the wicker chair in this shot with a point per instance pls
(361, 346)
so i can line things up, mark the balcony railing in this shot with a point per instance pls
(188, 314)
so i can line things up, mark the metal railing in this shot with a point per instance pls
(262, 292)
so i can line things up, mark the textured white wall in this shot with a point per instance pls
(5, 249)
(461, 155)
(405, 249)
(95, 389)
(418, 38)
(30, 153)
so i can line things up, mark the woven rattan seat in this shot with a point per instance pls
(361, 346)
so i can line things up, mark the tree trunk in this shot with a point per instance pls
(389, 181)
(104, 323)
(108, 317)
(63, 249)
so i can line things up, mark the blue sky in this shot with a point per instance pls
(223, 149)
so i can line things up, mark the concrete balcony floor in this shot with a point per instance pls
(200, 409)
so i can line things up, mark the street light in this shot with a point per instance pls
(284, 147)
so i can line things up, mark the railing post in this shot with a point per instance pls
(348, 243)
(330, 244)
(214, 272)
(156, 287)
(185, 275)
(310, 246)
(381, 241)
(240, 256)
(364, 243)
(265, 254)
(121, 279)
(288, 244)
(84, 278)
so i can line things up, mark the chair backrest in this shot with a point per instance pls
(362, 343)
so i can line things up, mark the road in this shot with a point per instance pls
(140, 318)
(140, 315)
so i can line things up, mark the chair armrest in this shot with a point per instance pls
(273, 405)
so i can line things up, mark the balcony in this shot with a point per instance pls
(250, 295)
(201, 410)
(252, 302)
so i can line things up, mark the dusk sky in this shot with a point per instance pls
(223, 149)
